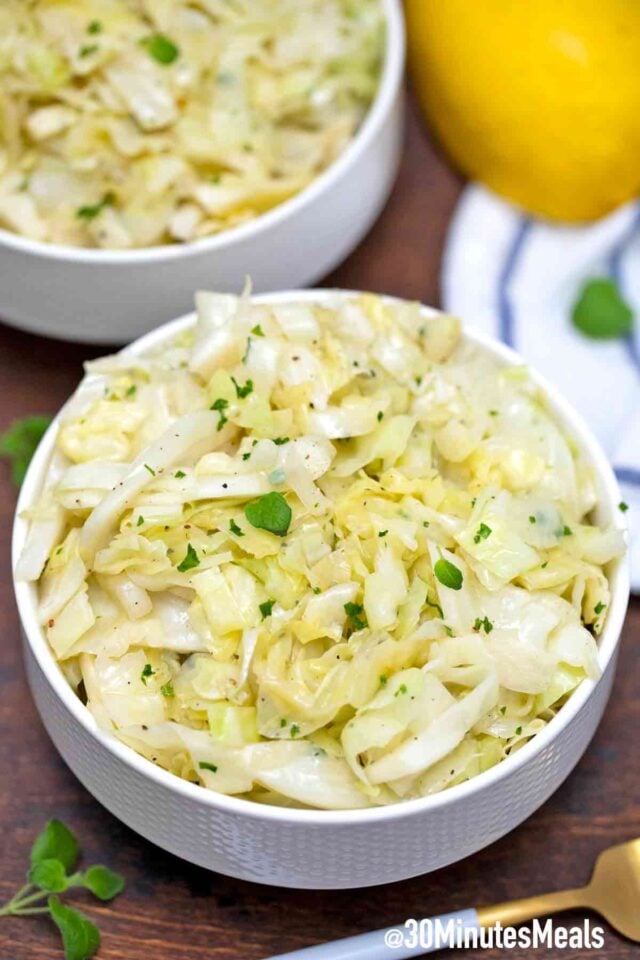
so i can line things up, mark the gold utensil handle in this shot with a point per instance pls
(517, 911)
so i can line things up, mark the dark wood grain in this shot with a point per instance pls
(173, 911)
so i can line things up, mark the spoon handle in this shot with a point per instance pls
(393, 943)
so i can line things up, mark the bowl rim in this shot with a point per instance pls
(382, 105)
(609, 498)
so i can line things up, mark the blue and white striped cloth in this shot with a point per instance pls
(516, 278)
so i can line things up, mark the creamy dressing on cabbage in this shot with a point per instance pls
(323, 555)
(132, 123)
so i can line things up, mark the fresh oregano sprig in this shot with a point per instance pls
(54, 856)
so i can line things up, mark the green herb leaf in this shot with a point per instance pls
(353, 611)
(242, 392)
(383, 680)
(149, 469)
(179, 474)
(383, 533)
(56, 842)
(147, 671)
(49, 875)
(220, 405)
(279, 441)
(448, 574)
(233, 526)
(91, 212)
(518, 731)
(482, 533)
(266, 608)
(87, 50)
(94, 27)
(294, 729)
(379, 415)
(257, 331)
(189, 561)
(167, 689)
(161, 48)
(532, 519)
(245, 456)
(599, 607)
(80, 937)
(623, 507)
(600, 312)
(102, 882)
(483, 624)
(270, 512)
(18, 444)
(204, 765)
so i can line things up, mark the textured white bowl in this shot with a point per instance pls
(112, 296)
(322, 849)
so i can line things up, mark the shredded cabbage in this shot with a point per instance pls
(133, 123)
(352, 586)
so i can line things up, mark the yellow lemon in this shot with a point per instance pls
(539, 100)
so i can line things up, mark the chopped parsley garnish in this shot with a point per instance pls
(179, 474)
(245, 456)
(150, 469)
(87, 50)
(279, 441)
(189, 561)
(270, 512)
(167, 689)
(483, 624)
(448, 574)
(243, 391)
(18, 444)
(220, 405)
(383, 533)
(623, 507)
(205, 765)
(401, 689)
(266, 608)
(600, 311)
(129, 392)
(380, 415)
(257, 331)
(147, 671)
(294, 729)
(91, 212)
(518, 731)
(532, 519)
(94, 27)
(353, 611)
(482, 533)
(162, 49)
(383, 680)
(566, 531)
(599, 607)
(140, 521)
(503, 710)
(233, 526)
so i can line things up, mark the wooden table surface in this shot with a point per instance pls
(174, 911)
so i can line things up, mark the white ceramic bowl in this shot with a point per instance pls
(322, 849)
(112, 296)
